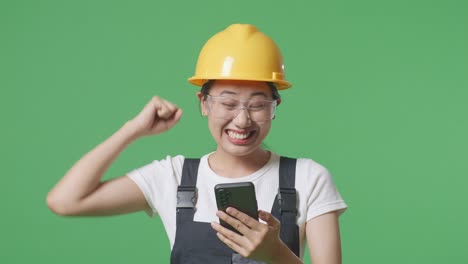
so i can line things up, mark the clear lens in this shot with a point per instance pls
(228, 108)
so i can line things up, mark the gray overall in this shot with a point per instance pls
(197, 243)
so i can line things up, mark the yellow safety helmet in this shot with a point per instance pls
(240, 52)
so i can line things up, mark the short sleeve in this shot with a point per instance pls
(156, 180)
(323, 194)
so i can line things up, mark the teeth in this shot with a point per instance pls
(237, 135)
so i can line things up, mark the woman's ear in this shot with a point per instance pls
(278, 102)
(199, 95)
(202, 104)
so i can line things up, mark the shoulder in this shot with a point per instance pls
(170, 162)
(309, 172)
(158, 167)
(310, 166)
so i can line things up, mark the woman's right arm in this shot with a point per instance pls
(81, 192)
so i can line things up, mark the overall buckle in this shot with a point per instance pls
(287, 199)
(186, 197)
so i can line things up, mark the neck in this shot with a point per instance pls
(230, 166)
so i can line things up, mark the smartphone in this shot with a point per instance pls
(239, 195)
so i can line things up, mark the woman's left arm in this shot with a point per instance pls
(323, 238)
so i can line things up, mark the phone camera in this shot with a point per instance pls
(224, 197)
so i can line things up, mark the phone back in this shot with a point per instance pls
(237, 195)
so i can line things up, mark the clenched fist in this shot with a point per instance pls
(157, 116)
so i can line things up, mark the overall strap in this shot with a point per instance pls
(190, 172)
(287, 197)
(186, 191)
(286, 204)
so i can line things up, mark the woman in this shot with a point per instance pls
(240, 71)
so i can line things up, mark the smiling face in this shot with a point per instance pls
(240, 135)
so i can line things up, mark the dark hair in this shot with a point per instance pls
(207, 86)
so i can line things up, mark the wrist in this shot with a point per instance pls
(129, 132)
(282, 254)
(277, 252)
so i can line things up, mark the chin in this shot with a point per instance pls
(239, 150)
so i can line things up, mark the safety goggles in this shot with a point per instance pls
(228, 108)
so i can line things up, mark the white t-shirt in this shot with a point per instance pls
(159, 180)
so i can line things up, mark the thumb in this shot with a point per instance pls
(268, 218)
(175, 118)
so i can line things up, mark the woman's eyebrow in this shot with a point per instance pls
(227, 92)
(251, 95)
(259, 93)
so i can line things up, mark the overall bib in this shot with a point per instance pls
(197, 243)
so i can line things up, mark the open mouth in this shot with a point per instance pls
(243, 136)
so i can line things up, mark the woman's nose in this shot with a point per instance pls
(242, 119)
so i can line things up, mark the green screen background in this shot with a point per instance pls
(379, 97)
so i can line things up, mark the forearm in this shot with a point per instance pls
(85, 175)
(283, 255)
